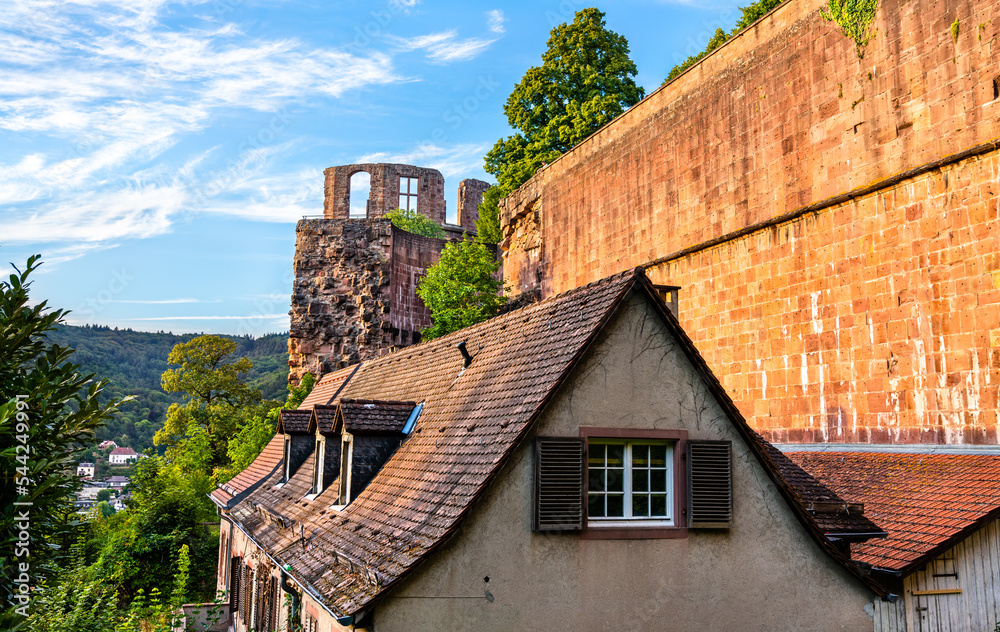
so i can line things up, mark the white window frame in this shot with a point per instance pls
(318, 468)
(346, 465)
(408, 193)
(628, 520)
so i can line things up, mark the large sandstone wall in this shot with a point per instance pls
(837, 260)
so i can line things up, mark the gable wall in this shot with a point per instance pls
(764, 574)
(874, 317)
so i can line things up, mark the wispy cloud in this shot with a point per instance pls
(248, 317)
(110, 94)
(496, 20)
(446, 46)
(449, 160)
(166, 301)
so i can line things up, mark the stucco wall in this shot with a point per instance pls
(764, 574)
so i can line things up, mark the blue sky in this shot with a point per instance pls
(158, 154)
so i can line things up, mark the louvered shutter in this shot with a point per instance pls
(710, 484)
(235, 571)
(559, 487)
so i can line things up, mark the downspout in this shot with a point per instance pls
(293, 612)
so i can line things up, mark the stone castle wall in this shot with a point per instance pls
(831, 220)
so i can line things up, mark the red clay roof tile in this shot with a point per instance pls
(926, 502)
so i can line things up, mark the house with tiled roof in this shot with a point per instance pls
(940, 510)
(121, 456)
(572, 465)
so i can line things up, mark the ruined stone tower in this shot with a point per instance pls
(354, 295)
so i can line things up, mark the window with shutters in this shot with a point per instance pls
(630, 483)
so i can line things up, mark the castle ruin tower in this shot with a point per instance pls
(354, 295)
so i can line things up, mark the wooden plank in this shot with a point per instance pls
(942, 591)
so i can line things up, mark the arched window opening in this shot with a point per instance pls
(361, 185)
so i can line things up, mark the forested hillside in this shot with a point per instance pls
(133, 361)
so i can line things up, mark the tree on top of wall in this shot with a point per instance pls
(460, 289)
(414, 222)
(585, 80)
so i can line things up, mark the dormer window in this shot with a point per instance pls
(286, 459)
(319, 466)
(370, 431)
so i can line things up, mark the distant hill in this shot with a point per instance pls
(133, 361)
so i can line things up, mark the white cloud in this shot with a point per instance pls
(110, 93)
(496, 20)
(455, 160)
(248, 317)
(446, 47)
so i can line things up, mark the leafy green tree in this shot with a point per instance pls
(104, 494)
(460, 290)
(749, 15)
(414, 222)
(250, 439)
(104, 509)
(217, 397)
(48, 414)
(585, 80)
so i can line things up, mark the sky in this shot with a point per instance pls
(157, 154)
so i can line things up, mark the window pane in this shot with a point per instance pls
(658, 505)
(616, 455)
(658, 456)
(615, 480)
(640, 455)
(640, 480)
(595, 507)
(402, 202)
(615, 506)
(658, 480)
(413, 186)
(640, 506)
(596, 455)
(596, 481)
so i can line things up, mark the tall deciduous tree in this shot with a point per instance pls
(460, 290)
(585, 80)
(48, 413)
(218, 399)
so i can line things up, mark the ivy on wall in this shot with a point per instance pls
(854, 17)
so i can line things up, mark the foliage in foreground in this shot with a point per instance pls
(414, 222)
(585, 80)
(48, 413)
(460, 290)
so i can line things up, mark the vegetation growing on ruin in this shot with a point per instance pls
(749, 15)
(414, 222)
(461, 289)
(586, 79)
(854, 17)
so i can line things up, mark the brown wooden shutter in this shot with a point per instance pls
(235, 573)
(559, 487)
(710, 484)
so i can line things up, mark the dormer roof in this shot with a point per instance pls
(294, 422)
(373, 416)
(323, 419)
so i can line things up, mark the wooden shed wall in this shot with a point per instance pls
(972, 567)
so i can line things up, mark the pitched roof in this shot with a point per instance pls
(371, 415)
(294, 421)
(123, 452)
(927, 502)
(327, 388)
(265, 464)
(472, 421)
(323, 417)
